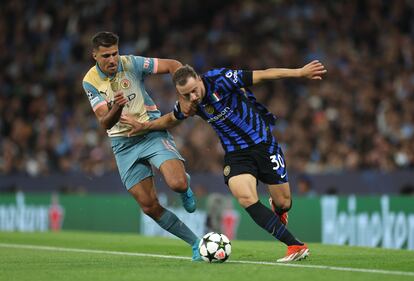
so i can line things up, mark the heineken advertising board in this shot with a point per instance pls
(374, 221)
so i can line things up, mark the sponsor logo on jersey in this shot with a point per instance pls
(222, 115)
(125, 84)
(130, 97)
(233, 74)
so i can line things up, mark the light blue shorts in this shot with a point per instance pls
(135, 155)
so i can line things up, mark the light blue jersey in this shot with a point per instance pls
(129, 80)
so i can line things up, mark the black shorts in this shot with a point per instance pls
(264, 161)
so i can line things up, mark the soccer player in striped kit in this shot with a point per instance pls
(222, 97)
(115, 86)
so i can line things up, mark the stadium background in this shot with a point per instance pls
(352, 133)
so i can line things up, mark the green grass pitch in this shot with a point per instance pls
(96, 256)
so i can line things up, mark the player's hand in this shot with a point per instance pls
(120, 100)
(136, 127)
(313, 70)
(187, 107)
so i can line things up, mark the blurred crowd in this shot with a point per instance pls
(361, 116)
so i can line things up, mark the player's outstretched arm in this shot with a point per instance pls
(313, 70)
(164, 122)
(168, 66)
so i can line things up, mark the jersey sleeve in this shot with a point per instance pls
(234, 79)
(145, 66)
(177, 112)
(95, 99)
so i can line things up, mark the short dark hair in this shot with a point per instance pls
(182, 74)
(104, 39)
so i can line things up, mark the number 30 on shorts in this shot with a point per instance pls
(278, 160)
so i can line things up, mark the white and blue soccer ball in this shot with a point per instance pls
(214, 247)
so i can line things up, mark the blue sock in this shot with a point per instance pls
(170, 222)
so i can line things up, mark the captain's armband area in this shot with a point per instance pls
(177, 112)
(247, 78)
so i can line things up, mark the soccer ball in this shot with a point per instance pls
(214, 247)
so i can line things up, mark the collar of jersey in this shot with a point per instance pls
(104, 76)
(207, 97)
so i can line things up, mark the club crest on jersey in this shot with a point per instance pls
(209, 109)
(226, 171)
(125, 84)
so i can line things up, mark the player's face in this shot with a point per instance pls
(193, 90)
(107, 59)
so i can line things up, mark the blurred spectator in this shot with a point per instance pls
(216, 203)
(305, 186)
(332, 190)
(199, 190)
(359, 117)
(407, 190)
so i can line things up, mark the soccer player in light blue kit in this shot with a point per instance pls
(115, 86)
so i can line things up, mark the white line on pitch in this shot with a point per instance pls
(325, 267)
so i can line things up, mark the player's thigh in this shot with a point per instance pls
(280, 194)
(174, 174)
(135, 174)
(271, 164)
(239, 163)
(244, 188)
(130, 159)
(160, 148)
(163, 154)
(145, 194)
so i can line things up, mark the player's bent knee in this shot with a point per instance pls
(284, 206)
(178, 184)
(246, 202)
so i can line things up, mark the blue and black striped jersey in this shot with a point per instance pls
(232, 110)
